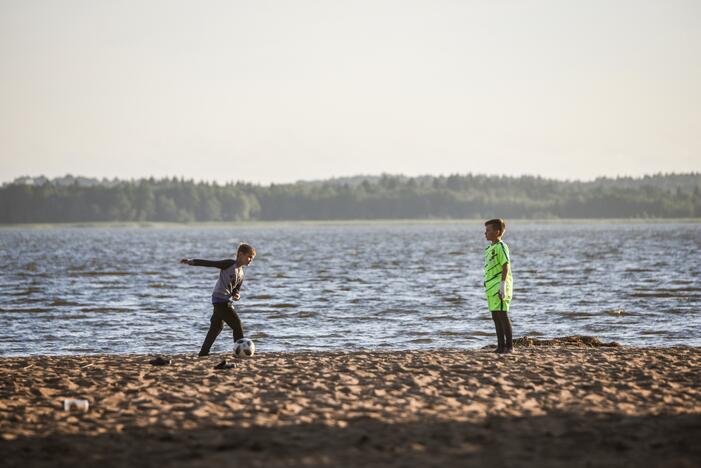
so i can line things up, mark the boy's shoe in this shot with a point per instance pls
(159, 361)
(225, 365)
(499, 350)
(508, 351)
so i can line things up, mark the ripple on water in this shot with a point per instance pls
(283, 305)
(454, 299)
(64, 303)
(573, 314)
(443, 317)
(29, 310)
(420, 341)
(661, 294)
(106, 309)
(390, 311)
(617, 313)
(304, 314)
(533, 333)
(24, 291)
(648, 332)
(79, 273)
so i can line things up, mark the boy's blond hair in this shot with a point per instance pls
(246, 249)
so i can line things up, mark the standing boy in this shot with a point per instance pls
(226, 291)
(498, 283)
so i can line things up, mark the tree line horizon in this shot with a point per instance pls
(468, 196)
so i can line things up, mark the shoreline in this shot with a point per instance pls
(521, 342)
(541, 406)
(339, 222)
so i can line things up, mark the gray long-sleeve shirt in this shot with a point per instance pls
(230, 278)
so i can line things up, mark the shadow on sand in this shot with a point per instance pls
(553, 440)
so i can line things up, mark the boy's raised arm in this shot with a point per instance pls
(221, 264)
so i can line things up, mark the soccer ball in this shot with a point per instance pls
(244, 348)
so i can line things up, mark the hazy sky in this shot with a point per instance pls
(276, 91)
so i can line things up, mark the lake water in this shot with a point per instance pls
(345, 286)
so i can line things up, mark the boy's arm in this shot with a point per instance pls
(235, 292)
(504, 271)
(504, 275)
(503, 256)
(221, 264)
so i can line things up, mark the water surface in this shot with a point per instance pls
(345, 286)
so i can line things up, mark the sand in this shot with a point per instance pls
(547, 405)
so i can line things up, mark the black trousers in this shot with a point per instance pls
(502, 323)
(222, 313)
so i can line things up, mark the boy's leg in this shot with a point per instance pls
(215, 327)
(500, 331)
(506, 326)
(232, 319)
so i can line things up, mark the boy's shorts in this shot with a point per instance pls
(497, 304)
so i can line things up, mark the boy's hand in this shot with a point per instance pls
(502, 290)
(236, 296)
(186, 261)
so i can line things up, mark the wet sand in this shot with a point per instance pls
(547, 405)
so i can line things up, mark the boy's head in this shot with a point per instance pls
(245, 254)
(494, 229)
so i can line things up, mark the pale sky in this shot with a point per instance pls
(285, 90)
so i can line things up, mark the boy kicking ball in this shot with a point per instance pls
(226, 291)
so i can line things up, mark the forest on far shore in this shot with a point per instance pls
(79, 199)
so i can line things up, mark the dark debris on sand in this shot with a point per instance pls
(576, 340)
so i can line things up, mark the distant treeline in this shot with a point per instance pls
(70, 199)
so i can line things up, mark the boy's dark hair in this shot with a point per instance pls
(497, 223)
(246, 249)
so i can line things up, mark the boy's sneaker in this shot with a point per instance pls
(225, 365)
(159, 361)
(499, 350)
(508, 351)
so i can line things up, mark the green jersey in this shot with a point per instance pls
(495, 257)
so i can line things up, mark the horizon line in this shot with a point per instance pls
(356, 176)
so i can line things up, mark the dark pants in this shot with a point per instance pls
(502, 323)
(222, 313)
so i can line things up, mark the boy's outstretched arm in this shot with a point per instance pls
(221, 264)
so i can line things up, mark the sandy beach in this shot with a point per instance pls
(549, 405)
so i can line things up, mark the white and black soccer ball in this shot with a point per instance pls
(244, 348)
